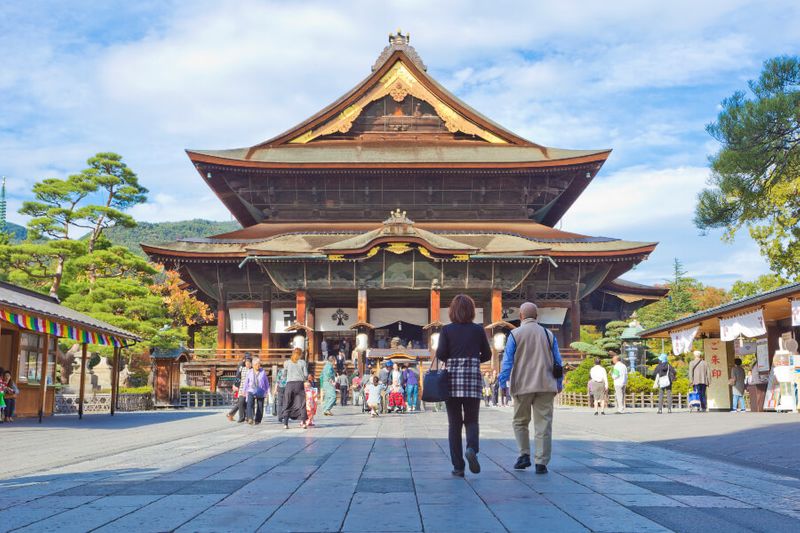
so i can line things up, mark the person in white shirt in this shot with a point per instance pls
(598, 381)
(373, 393)
(619, 373)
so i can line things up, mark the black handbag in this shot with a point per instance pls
(435, 384)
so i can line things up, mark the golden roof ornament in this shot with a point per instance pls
(398, 223)
(399, 41)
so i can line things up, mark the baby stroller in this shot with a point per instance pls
(397, 402)
(694, 401)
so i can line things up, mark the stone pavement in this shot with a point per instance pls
(195, 471)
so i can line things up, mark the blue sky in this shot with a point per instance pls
(149, 79)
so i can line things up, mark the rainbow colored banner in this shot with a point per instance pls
(43, 325)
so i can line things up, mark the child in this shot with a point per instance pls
(396, 400)
(10, 397)
(373, 395)
(311, 403)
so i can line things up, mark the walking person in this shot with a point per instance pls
(11, 393)
(355, 387)
(412, 387)
(463, 347)
(323, 348)
(737, 386)
(495, 384)
(280, 388)
(598, 380)
(256, 386)
(700, 377)
(532, 363)
(487, 391)
(294, 395)
(341, 361)
(619, 373)
(326, 385)
(241, 395)
(664, 378)
(344, 387)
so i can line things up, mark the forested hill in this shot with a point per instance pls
(17, 232)
(149, 232)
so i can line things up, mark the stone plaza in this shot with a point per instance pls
(195, 471)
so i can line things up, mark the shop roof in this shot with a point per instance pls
(738, 306)
(17, 298)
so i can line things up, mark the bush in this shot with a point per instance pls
(638, 383)
(682, 386)
(136, 390)
(193, 389)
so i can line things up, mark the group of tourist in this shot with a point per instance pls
(8, 396)
(495, 393)
(394, 389)
(664, 377)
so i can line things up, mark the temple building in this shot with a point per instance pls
(377, 210)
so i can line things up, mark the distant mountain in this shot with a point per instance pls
(158, 232)
(18, 233)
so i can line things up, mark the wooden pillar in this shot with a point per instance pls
(82, 389)
(221, 325)
(213, 379)
(436, 305)
(114, 380)
(311, 341)
(43, 377)
(575, 322)
(300, 305)
(497, 305)
(362, 306)
(265, 327)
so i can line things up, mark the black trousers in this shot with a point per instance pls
(462, 412)
(258, 404)
(701, 390)
(343, 396)
(239, 406)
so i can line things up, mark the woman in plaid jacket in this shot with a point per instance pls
(463, 346)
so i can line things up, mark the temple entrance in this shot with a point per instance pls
(409, 335)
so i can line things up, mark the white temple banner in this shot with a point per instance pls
(795, 312)
(335, 318)
(552, 315)
(245, 319)
(383, 316)
(444, 318)
(282, 318)
(749, 326)
(682, 340)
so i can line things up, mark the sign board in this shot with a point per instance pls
(718, 392)
(795, 312)
(762, 356)
(335, 318)
(245, 319)
(282, 318)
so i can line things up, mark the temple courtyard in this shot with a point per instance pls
(195, 471)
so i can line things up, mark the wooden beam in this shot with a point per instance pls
(43, 376)
(82, 389)
(265, 327)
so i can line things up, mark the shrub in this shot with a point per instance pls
(136, 390)
(638, 383)
(193, 389)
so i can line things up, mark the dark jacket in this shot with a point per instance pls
(664, 368)
(463, 347)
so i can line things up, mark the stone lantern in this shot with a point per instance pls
(632, 343)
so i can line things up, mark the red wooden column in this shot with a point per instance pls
(300, 305)
(311, 341)
(362, 306)
(212, 383)
(221, 325)
(82, 389)
(43, 377)
(265, 327)
(115, 379)
(575, 322)
(497, 305)
(436, 305)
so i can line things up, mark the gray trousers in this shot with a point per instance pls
(541, 405)
(619, 398)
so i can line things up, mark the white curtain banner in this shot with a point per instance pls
(552, 315)
(383, 316)
(335, 318)
(682, 340)
(245, 319)
(282, 318)
(444, 318)
(795, 312)
(749, 326)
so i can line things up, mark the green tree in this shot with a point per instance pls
(755, 180)
(764, 283)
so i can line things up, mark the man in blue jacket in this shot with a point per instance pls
(532, 365)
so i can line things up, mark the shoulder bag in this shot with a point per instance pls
(436, 383)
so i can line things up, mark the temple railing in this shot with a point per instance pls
(236, 354)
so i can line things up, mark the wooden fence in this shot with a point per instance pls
(206, 399)
(633, 400)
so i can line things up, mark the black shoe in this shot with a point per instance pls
(523, 462)
(472, 459)
(541, 469)
(457, 473)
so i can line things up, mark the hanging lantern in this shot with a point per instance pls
(362, 341)
(499, 341)
(299, 341)
(435, 341)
